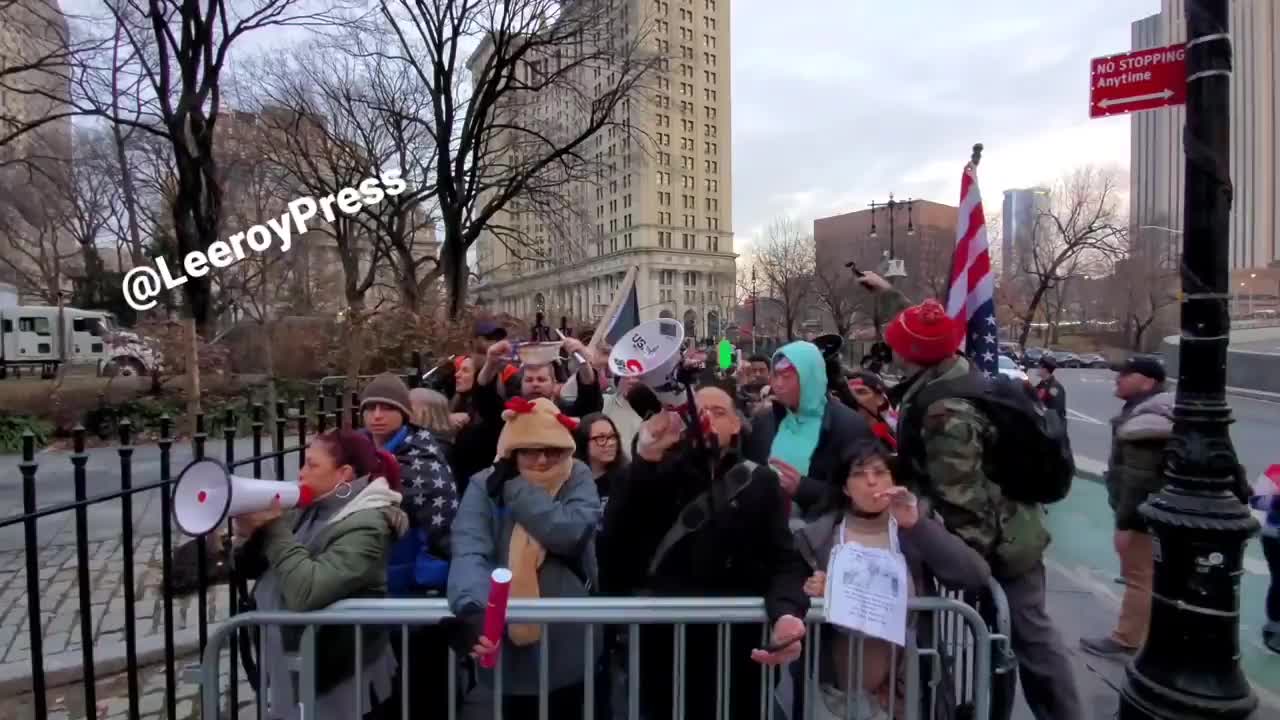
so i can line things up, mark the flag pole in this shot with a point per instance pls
(974, 159)
(619, 297)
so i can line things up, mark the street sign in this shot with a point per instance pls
(1138, 80)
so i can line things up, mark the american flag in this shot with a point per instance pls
(970, 290)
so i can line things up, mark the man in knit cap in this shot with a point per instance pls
(430, 498)
(951, 467)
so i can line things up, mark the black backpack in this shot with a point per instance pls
(1031, 460)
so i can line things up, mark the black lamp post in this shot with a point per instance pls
(891, 207)
(1189, 666)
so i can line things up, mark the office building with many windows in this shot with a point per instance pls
(662, 203)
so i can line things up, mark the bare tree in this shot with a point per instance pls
(784, 261)
(256, 286)
(37, 82)
(35, 250)
(311, 117)
(53, 211)
(178, 51)
(1082, 224)
(839, 295)
(512, 120)
(1149, 279)
(360, 114)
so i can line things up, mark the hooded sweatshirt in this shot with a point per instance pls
(797, 435)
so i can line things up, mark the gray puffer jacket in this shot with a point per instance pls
(1139, 435)
(565, 525)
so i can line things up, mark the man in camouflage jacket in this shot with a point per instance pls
(955, 474)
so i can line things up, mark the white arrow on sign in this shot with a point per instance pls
(1162, 95)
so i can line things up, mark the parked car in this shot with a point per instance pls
(1094, 360)
(1031, 357)
(1009, 368)
(1065, 359)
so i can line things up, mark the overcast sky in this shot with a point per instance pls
(838, 102)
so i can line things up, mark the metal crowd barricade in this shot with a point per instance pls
(976, 643)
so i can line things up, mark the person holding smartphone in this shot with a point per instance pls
(694, 518)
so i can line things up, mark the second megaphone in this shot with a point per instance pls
(205, 495)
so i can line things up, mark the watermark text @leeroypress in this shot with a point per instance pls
(143, 284)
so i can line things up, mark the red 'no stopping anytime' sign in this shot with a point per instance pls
(1138, 80)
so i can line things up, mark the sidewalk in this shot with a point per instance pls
(1085, 599)
(60, 613)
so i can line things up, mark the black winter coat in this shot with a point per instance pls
(842, 428)
(746, 550)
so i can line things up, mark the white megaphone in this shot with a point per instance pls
(205, 495)
(651, 354)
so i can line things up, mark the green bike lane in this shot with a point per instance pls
(1082, 549)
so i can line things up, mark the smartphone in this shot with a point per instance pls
(781, 646)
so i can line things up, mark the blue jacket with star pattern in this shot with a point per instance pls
(430, 495)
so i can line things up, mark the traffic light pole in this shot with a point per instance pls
(1189, 666)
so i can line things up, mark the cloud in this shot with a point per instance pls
(838, 104)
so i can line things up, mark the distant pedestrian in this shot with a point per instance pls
(1049, 390)
(1139, 436)
(1268, 501)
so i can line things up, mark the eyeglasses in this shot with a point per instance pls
(551, 454)
(604, 440)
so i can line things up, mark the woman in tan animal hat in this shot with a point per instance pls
(535, 512)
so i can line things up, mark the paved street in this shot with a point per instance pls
(1082, 524)
(1091, 404)
(55, 485)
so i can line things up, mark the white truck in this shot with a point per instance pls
(46, 337)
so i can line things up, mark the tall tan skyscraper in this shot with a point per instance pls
(34, 34)
(1157, 181)
(665, 208)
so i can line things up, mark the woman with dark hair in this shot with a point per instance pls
(334, 549)
(869, 510)
(600, 448)
(475, 439)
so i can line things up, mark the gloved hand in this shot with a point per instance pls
(464, 629)
(503, 470)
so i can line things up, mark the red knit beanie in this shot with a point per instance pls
(924, 334)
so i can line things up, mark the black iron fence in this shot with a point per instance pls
(332, 409)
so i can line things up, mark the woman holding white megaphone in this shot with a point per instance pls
(336, 548)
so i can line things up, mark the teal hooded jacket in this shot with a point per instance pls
(798, 433)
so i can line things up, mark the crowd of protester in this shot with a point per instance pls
(582, 484)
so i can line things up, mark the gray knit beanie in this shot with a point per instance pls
(388, 388)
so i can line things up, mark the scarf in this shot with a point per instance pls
(525, 555)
